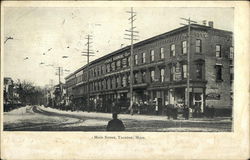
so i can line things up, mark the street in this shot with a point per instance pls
(40, 118)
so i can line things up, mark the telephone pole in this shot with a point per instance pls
(88, 53)
(132, 35)
(59, 73)
(189, 21)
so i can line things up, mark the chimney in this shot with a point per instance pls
(211, 24)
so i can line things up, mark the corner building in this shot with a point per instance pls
(160, 71)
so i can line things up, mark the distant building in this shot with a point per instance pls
(160, 71)
(8, 90)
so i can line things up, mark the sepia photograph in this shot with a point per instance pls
(128, 69)
(124, 80)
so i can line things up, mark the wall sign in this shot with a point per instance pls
(213, 96)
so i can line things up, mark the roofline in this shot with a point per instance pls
(160, 36)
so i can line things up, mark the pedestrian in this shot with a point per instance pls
(185, 112)
(115, 124)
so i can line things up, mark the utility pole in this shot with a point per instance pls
(88, 53)
(59, 73)
(132, 35)
(189, 21)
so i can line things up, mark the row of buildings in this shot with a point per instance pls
(160, 71)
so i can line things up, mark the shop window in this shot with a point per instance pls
(218, 70)
(184, 47)
(161, 53)
(198, 46)
(218, 51)
(152, 55)
(198, 71)
(152, 75)
(136, 59)
(143, 76)
(172, 50)
(144, 57)
(184, 71)
(162, 74)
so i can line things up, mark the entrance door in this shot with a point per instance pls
(198, 101)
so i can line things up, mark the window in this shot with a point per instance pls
(172, 50)
(124, 81)
(136, 59)
(128, 61)
(218, 51)
(117, 82)
(184, 47)
(124, 62)
(231, 54)
(198, 71)
(118, 64)
(143, 57)
(113, 66)
(108, 68)
(162, 74)
(198, 46)
(152, 55)
(218, 70)
(231, 74)
(128, 79)
(136, 78)
(152, 75)
(161, 53)
(184, 71)
(172, 73)
(143, 76)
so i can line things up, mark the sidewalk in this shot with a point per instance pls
(135, 116)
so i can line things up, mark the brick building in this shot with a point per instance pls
(160, 71)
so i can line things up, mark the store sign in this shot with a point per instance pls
(213, 96)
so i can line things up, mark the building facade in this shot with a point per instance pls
(160, 71)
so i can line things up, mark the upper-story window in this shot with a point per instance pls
(117, 82)
(107, 68)
(161, 53)
(136, 59)
(152, 55)
(218, 72)
(128, 61)
(143, 57)
(218, 51)
(113, 66)
(231, 54)
(184, 71)
(118, 64)
(184, 47)
(172, 50)
(198, 46)
(143, 76)
(198, 71)
(162, 75)
(136, 78)
(124, 62)
(172, 73)
(152, 75)
(124, 81)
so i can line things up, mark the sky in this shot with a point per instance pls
(43, 35)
